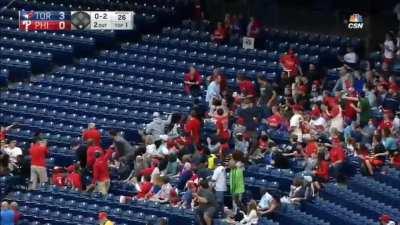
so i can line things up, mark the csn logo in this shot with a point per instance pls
(356, 21)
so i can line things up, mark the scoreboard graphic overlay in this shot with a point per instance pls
(75, 20)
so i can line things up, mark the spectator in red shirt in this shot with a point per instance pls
(291, 64)
(74, 179)
(321, 172)
(92, 133)
(387, 122)
(222, 125)
(144, 188)
(275, 120)
(101, 174)
(246, 86)
(311, 147)
(58, 177)
(192, 82)
(350, 110)
(38, 153)
(91, 152)
(219, 36)
(193, 127)
(337, 157)
(4, 130)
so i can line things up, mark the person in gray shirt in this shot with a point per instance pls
(121, 145)
(155, 128)
(207, 203)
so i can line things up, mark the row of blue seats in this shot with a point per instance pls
(24, 135)
(8, 22)
(358, 203)
(4, 75)
(196, 35)
(182, 53)
(303, 48)
(283, 35)
(203, 63)
(18, 70)
(389, 176)
(173, 67)
(69, 125)
(141, 71)
(209, 47)
(306, 38)
(86, 46)
(61, 53)
(312, 38)
(114, 90)
(135, 80)
(75, 110)
(40, 61)
(86, 203)
(291, 215)
(375, 190)
(282, 176)
(59, 95)
(173, 46)
(270, 70)
(52, 215)
(335, 214)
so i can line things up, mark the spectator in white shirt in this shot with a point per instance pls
(219, 179)
(351, 57)
(388, 50)
(295, 122)
(213, 90)
(13, 152)
(252, 216)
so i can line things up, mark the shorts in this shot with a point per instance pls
(209, 212)
(103, 187)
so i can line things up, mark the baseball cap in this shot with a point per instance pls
(71, 168)
(156, 114)
(103, 216)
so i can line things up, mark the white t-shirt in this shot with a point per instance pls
(295, 122)
(350, 57)
(13, 153)
(251, 219)
(265, 201)
(388, 49)
(219, 176)
(320, 121)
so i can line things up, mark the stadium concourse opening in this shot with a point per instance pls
(240, 112)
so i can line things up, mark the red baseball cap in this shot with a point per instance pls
(315, 112)
(71, 168)
(240, 121)
(103, 216)
(384, 218)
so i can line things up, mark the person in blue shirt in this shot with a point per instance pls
(7, 214)
(389, 141)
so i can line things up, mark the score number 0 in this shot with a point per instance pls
(61, 24)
